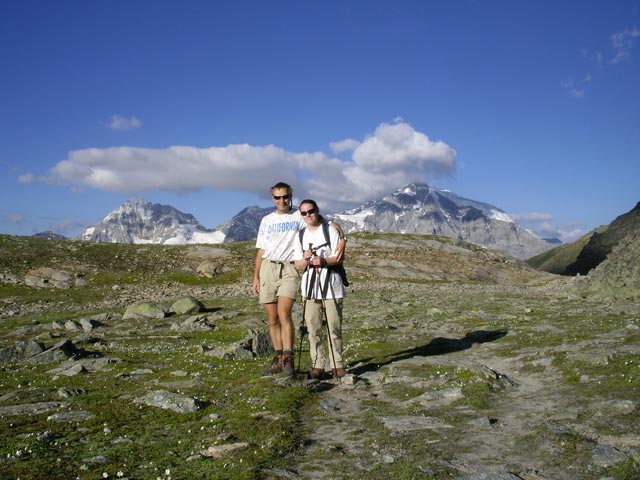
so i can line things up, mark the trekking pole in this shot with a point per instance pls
(335, 302)
(303, 325)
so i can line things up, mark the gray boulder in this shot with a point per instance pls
(20, 351)
(170, 401)
(145, 310)
(187, 305)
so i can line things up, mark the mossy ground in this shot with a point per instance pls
(408, 334)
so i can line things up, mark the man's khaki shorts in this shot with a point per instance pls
(278, 279)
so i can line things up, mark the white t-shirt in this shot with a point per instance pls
(278, 233)
(313, 282)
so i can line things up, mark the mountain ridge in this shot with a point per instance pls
(415, 208)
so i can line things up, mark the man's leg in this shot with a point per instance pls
(287, 333)
(274, 324)
(284, 314)
(276, 338)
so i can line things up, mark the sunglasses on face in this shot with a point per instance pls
(281, 197)
(311, 211)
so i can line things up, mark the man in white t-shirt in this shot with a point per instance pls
(275, 279)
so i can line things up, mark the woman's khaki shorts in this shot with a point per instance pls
(278, 279)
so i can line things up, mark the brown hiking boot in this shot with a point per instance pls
(287, 364)
(274, 367)
(318, 373)
(339, 372)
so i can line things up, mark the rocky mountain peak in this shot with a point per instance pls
(140, 221)
(419, 208)
(414, 208)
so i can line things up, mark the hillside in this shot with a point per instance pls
(463, 363)
(586, 253)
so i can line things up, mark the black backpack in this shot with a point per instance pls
(334, 268)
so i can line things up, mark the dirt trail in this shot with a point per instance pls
(348, 434)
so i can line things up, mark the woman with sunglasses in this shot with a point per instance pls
(322, 290)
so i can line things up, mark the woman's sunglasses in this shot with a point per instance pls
(311, 211)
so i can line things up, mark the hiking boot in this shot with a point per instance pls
(287, 364)
(339, 372)
(274, 367)
(317, 373)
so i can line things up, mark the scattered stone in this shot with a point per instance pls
(220, 451)
(439, 398)
(170, 401)
(97, 460)
(196, 323)
(70, 392)
(607, 456)
(210, 268)
(30, 408)
(9, 278)
(47, 436)
(88, 324)
(72, 325)
(74, 370)
(58, 352)
(77, 416)
(20, 351)
(145, 310)
(46, 277)
(187, 305)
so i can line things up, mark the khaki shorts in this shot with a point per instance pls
(278, 279)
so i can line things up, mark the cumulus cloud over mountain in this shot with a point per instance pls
(394, 154)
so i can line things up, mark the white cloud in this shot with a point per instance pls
(121, 123)
(67, 226)
(542, 224)
(531, 217)
(622, 43)
(568, 236)
(394, 155)
(26, 178)
(391, 157)
(134, 170)
(577, 89)
(346, 145)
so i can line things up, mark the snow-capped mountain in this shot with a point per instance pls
(416, 208)
(139, 221)
(49, 235)
(419, 208)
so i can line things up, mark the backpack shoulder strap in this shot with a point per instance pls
(301, 234)
(325, 230)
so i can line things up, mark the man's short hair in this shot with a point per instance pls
(283, 185)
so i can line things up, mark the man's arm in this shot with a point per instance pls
(256, 272)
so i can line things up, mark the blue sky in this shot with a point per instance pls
(532, 106)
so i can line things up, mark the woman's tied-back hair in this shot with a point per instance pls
(280, 185)
(315, 206)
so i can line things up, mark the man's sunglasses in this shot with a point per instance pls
(311, 211)
(281, 197)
